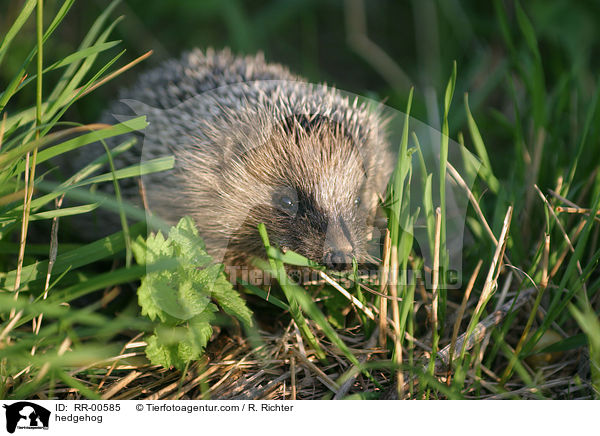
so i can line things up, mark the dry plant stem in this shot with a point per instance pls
(51, 260)
(385, 272)
(324, 378)
(24, 222)
(494, 271)
(457, 177)
(30, 173)
(436, 273)
(224, 378)
(112, 75)
(157, 395)
(396, 318)
(461, 310)
(114, 365)
(142, 190)
(562, 229)
(544, 282)
(491, 279)
(349, 296)
(369, 290)
(110, 359)
(120, 385)
(434, 292)
(586, 189)
(11, 324)
(299, 340)
(575, 210)
(293, 371)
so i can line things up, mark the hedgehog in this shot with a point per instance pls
(254, 143)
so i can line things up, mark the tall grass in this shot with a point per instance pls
(42, 335)
(533, 246)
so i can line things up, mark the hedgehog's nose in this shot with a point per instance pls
(338, 248)
(338, 260)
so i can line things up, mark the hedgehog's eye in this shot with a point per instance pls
(287, 203)
(285, 200)
(357, 201)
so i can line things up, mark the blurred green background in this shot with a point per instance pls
(374, 48)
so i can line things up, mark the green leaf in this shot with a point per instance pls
(231, 301)
(181, 295)
(486, 168)
(159, 352)
(200, 329)
(176, 346)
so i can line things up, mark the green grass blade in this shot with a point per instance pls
(16, 26)
(278, 270)
(486, 169)
(90, 253)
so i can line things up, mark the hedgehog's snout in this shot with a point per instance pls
(338, 250)
(338, 260)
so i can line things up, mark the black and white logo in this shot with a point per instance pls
(26, 415)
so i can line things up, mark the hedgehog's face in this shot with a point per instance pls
(319, 201)
(310, 184)
(331, 231)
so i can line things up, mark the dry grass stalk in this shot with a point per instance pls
(491, 279)
(436, 272)
(579, 210)
(562, 229)
(457, 177)
(396, 318)
(120, 385)
(114, 365)
(355, 301)
(111, 75)
(383, 303)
